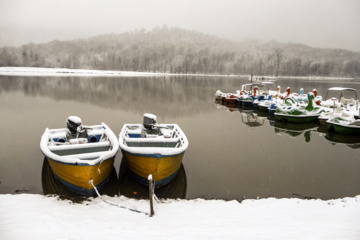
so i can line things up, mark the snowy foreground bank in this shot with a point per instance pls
(30, 216)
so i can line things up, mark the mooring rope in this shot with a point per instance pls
(113, 204)
(154, 181)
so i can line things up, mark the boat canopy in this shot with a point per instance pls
(266, 86)
(342, 90)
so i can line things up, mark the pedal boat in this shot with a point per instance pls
(150, 148)
(76, 162)
(298, 113)
(344, 125)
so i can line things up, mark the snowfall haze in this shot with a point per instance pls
(322, 23)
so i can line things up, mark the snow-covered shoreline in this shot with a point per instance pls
(31, 71)
(34, 71)
(43, 217)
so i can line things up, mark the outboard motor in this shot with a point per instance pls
(78, 133)
(150, 125)
(74, 124)
(149, 121)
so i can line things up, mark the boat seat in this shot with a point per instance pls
(87, 156)
(153, 142)
(349, 102)
(74, 149)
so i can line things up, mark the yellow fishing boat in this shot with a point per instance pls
(80, 156)
(150, 148)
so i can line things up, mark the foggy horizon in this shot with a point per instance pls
(322, 23)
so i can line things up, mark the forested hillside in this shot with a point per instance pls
(176, 50)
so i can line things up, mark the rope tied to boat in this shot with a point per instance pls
(114, 204)
(154, 181)
(101, 161)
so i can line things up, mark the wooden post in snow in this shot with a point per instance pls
(151, 196)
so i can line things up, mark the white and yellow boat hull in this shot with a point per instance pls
(161, 155)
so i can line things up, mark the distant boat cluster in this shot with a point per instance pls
(337, 113)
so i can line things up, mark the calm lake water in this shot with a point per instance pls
(228, 158)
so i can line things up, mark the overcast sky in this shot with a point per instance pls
(317, 23)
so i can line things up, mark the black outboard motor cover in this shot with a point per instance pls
(73, 123)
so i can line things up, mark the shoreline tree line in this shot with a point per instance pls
(175, 50)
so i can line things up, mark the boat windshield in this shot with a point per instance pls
(270, 85)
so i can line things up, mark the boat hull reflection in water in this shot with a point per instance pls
(131, 188)
(352, 141)
(51, 185)
(296, 129)
(251, 118)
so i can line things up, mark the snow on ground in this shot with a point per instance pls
(31, 216)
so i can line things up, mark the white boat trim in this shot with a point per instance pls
(164, 151)
(76, 158)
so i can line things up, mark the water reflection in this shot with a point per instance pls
(51, 185)
(263, 113)
(125, 93)
(227, 164)
(351, 141)
(131, 188)
(295, 129)
(230, 108)
(251, 118)
(254, 118)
